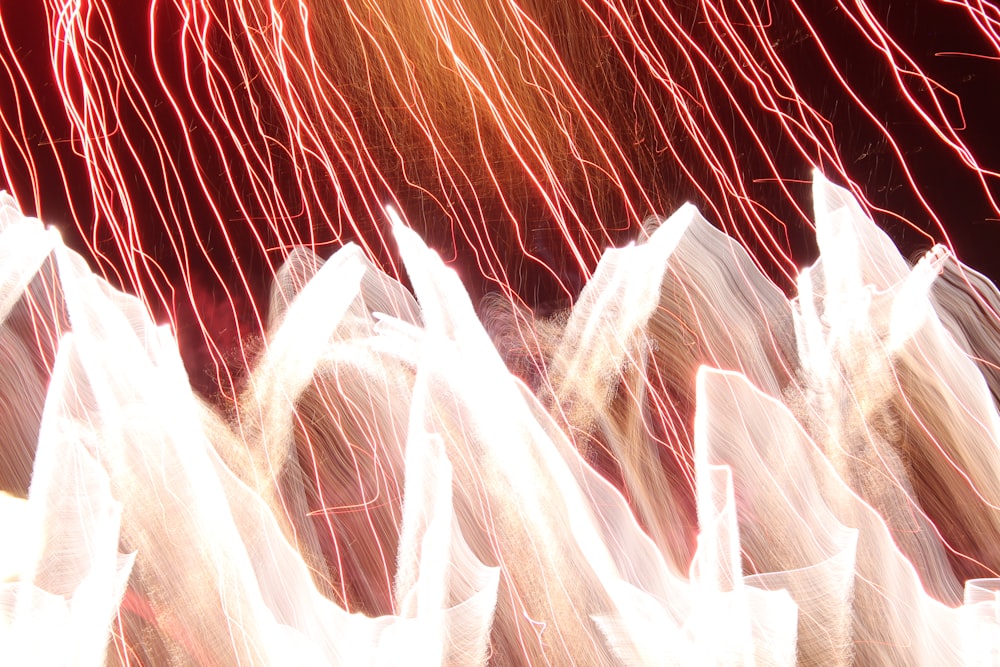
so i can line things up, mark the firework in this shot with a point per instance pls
(520, 449)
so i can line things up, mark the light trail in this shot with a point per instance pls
(188, 149)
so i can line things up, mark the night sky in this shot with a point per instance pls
(936, 35)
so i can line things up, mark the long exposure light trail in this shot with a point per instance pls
(414, 371)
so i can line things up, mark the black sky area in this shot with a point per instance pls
(936, 35)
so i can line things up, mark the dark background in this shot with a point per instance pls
(51, 180)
